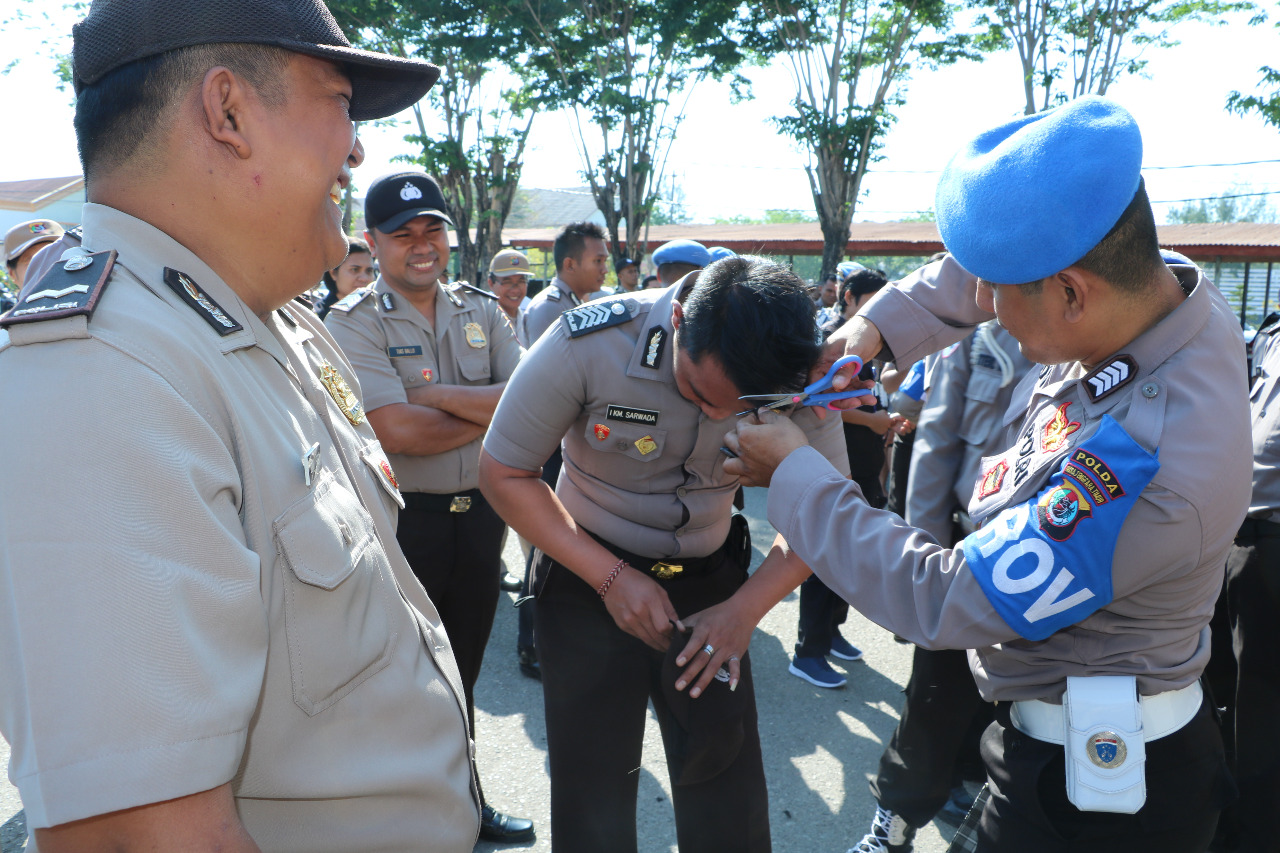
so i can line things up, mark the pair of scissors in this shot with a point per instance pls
(813, 394)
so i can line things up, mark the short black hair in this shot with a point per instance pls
(1128, 258)
(862, 282)
(355, 246)
(121, 114)
(571, 240)
(755, 317)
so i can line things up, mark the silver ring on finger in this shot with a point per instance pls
(733, 657)
(709, 649)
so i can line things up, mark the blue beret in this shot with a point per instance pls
(1169, 256)
(719, 253)
(844, 269)
(1031, 197)
(682, 252)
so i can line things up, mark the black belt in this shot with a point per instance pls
(426, 502)
(671, 568)
(1258, 528)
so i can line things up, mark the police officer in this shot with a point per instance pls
(642, 389)
(1251, 596)
(677, 258)
(432, 361)
(1087, 591)
(934, 747)
(582, 260)
(627, 271)
(23, 241)
(228, 651)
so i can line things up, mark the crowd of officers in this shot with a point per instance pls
(267, 637)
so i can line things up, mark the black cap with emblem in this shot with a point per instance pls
(395, 199)
(117, 32)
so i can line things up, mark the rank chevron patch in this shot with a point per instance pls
(595, 316)
(1108, 377)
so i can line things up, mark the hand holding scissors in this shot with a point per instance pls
(813, 395)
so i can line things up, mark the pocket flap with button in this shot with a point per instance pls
(474, 368)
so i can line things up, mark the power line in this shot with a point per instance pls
(874, 171)
(1215, 197)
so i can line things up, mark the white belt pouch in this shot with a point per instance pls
(1105, 752)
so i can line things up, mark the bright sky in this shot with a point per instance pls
(729, 160)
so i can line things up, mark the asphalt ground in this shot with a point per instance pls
(819, 745)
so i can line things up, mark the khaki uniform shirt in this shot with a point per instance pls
(961, 422)
(1135, 567)
(1264, 403)
(393, 349)
(642, 465)
(200, 573)
(545, 308)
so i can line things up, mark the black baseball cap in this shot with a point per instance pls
(395, 199)
(622, 263)
(117, 32)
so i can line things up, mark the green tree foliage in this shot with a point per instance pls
(1237, 204)
(1070, 48)
(1266, 102)
(770, 217)
(486, 118)
(624, 68)
(848, 60)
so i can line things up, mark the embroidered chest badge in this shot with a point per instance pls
(646, 445)
(341, 393)
(993, 479)
(601, 431)
(1060, 509)
(386, 469)
(1054, 437)
(427, 374)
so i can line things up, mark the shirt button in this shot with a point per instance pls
(681, 492)
(622, 445)
(1150, 390)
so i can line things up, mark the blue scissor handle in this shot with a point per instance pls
(825, 382)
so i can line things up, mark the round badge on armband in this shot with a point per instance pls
(1106, 749)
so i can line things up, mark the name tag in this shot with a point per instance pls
(632, 416)
(402, 352)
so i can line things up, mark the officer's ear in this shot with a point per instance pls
(677, 315)
(224, 101)
(373, 244)
(1077, 292)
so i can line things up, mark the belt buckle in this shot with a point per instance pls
(461, 503)
(666, 571)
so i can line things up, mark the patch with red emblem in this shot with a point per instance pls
(426, 373)
(602, 432)
(1056, 430)
(386, 469)
(993, 479)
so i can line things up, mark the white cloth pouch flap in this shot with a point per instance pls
(1106, 755)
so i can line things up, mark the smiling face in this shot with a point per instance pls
(510, 290)
(413, 257)
(308, 156)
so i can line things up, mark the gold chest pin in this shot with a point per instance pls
(475, 335)
(646, 445)
(341, 393)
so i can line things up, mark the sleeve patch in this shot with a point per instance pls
(1047, 563)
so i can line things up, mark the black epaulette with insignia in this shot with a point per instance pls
(66, 290)
(595, 316)
(202, 303)
(553, 294)
(351, 300)
(1109, 377)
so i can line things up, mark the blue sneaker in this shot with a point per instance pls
(816, 671)
(843, 649)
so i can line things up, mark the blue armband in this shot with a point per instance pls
(1046, 564)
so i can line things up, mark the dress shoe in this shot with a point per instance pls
(504, 829)
(529, 663)
(510, 583)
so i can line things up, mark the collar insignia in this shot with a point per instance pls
(657, 341)
(211, 312)
(388, 302)
(1056, 430)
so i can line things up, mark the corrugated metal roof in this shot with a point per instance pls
(34, 194)
(1230, 241)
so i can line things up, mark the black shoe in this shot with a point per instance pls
(496, 826)
(529, 663)
(510, 583)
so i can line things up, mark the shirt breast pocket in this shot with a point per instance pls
(337, 595)
(980, 418)
(475, 368)
(635, 442)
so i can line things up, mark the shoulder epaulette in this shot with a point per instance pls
(466, 285)
(1109, 377)
(553, 293)
(66, 290)
(1269, 323)
(451, 291)
(351, 300)
(595, 316)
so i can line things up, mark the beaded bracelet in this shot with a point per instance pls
(604, 587)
